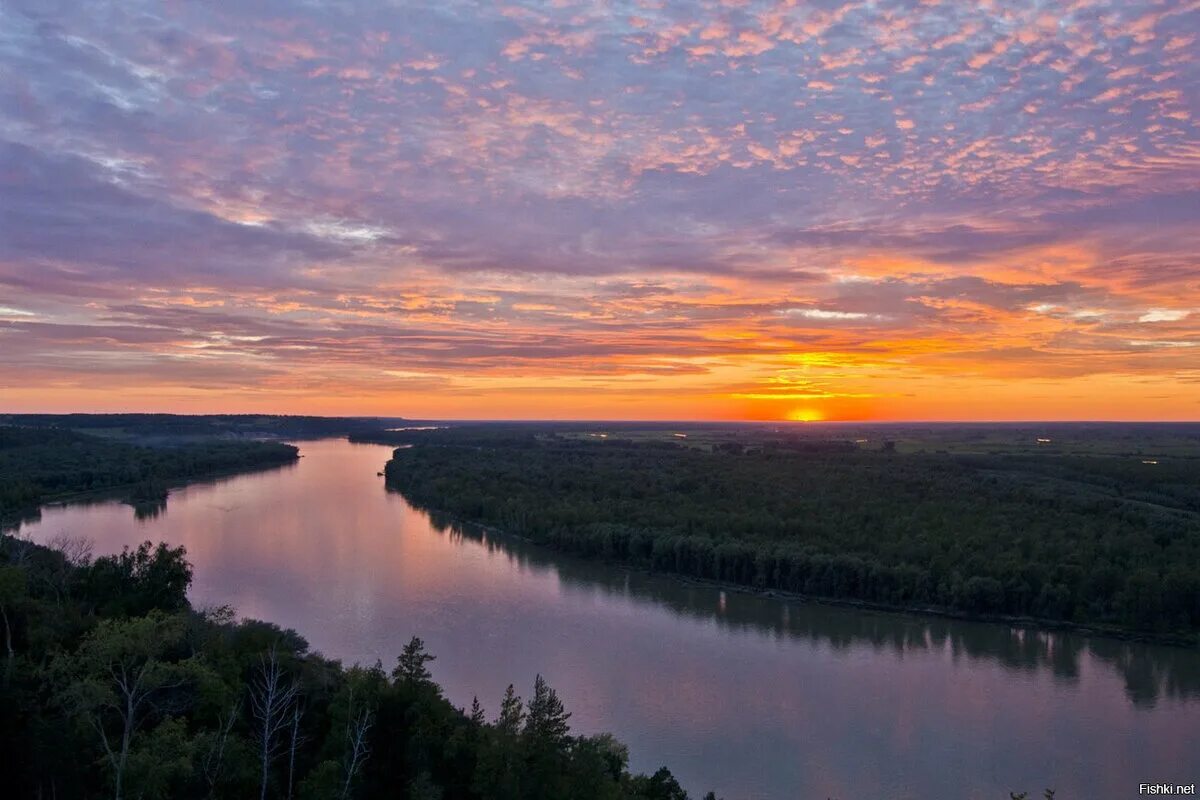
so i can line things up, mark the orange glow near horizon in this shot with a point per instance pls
(959, 212)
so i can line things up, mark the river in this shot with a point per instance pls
(754, 697)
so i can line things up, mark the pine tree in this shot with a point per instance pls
(546, 725)
(410, 667)
(512, 713)
(477, 717)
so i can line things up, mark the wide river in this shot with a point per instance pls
(750, 696)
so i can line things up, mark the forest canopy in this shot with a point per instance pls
(1110, 540)
(39, 464)
(113, 686)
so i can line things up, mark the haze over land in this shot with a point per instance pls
(738, 210)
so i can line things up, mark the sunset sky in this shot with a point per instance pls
(905, 209)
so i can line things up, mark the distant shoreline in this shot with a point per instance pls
(1030, 623)
(13, 520)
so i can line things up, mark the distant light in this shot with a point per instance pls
(1149, 461)
(1043, 441)
(679, 435)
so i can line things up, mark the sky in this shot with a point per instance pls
(625, 209)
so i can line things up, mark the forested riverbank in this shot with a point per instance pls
(1084, 540)
(220, 518)
(39, 465)
(113, 686)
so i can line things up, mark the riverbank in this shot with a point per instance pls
(123, 493)
(1031, 623)
(96, 621)
(42, 466)
(748, 696)
(1047, 541)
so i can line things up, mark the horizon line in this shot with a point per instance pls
(599, 420)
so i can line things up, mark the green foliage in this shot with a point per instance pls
(13, 589)
(39, 464)
(1086, 539)
(410, 666)
(149, 577)
(165, 428)
(121, 675)
(121, 690)
(659, 786)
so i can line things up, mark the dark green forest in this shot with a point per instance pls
(114, 687)
(1107, 541)
(161, 428)
(42, 464)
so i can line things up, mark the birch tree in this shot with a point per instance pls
(213, 760)
(359, 719)
(297, 739)
(272, 699)
(117, 677)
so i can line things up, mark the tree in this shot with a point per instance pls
(75, 552)
(659, 786)
(477, 716)
(296, 740)
(134, 582)
(546, 723)
(13, 588)
(357, 728)
(120, 673)
(498, 771)
(213, 760)
(546, 741)
(359, 719)
(272, 699)
(161, 761)
(410, 666)
(422, 787)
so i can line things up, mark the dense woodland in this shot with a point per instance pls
(114, 687)
(41, 464)
(1100, 540)
(162, 428)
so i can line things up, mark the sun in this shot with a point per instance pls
(805, 415)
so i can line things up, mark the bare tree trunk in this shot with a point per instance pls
(126, 736)
(271, 700)
(7, 632)
(356, 745)
(297, 740)
(214, 758)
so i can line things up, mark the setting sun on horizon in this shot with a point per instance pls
(751, 210)
(621, 400)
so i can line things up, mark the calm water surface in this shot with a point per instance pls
(750, 696)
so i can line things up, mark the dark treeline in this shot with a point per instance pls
(1148, 673)
(1083, 539)
(155, 427)
(114, 687)
(40, 464)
